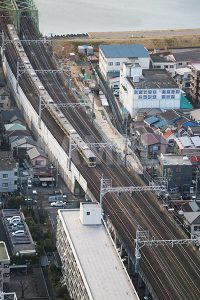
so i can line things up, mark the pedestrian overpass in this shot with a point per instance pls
(13, 9)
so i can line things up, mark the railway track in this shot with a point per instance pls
(173, 273)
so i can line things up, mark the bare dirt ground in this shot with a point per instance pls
(32, 283)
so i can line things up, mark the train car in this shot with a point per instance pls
(54, 110)
(88, 155)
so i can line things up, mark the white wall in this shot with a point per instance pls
(51, 146)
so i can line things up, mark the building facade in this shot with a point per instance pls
(177, 170)
(195, 82)
(151, 88)
(112, 57)
(8, 173)
(4, 265)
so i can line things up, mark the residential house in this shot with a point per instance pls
(163, 61)
(151, 145)
(112, 57)
(37, 157)
(177, 170)
(187, 145)
(192, 219)
(8, 172)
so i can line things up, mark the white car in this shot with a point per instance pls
(13, 217)
(58, 204)
(18, 233)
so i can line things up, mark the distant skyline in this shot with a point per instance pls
(77, 16)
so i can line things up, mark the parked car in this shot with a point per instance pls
(18, 233)
(16, 227)
(44, 184)
(13, 217)
(15, 221)
(58, 204)
(55, 198)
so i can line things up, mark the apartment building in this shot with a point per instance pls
(91, 266)
(8, 172)
(195, 82)
(4, 265)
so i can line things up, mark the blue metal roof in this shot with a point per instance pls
(127, 50)
(189, 123)
(161, 123)
(151, 120)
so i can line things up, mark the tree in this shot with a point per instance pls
(23, 283)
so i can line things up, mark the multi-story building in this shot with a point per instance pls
(161, 61)
(8, 172)
(195, 82)
(91, 266)
(4, 265)
(152, 88)
(177, 170)
(112, 57)
(183, 78)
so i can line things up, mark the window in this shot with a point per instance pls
(149, 91)
(172, 96)
(168, 91)
(140, 92)
(117, 63)
(163, 91)
(149, 96)
(5, 176)
(140, 97)
(135, 92)
(110, 63)
(145, 97)
(1, 105)
(178, 170)
(177, 91)
(171, 66)
(38, 162)
(196, 228)
(154, 91)
(166, 66)
(154, 96)
(163, 96)
(173, 91)
(180, 63)
(168, 96)
(87, 213)
(15, 174)
(15, 182)
(145, 92)
(4, 185)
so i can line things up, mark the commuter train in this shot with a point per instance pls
(56, 113)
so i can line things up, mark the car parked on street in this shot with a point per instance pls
(58, 204)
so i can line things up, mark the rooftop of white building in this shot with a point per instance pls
(104, 273)
(3, 252)
(154, 79)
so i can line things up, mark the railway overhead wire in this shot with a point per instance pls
(174, 273)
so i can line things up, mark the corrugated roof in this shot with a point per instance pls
(196, 141)
(151, 120)
(161, 123)
(194, 206)
(185, 141)
(35, 152)
(120, 51)
(14, 127)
